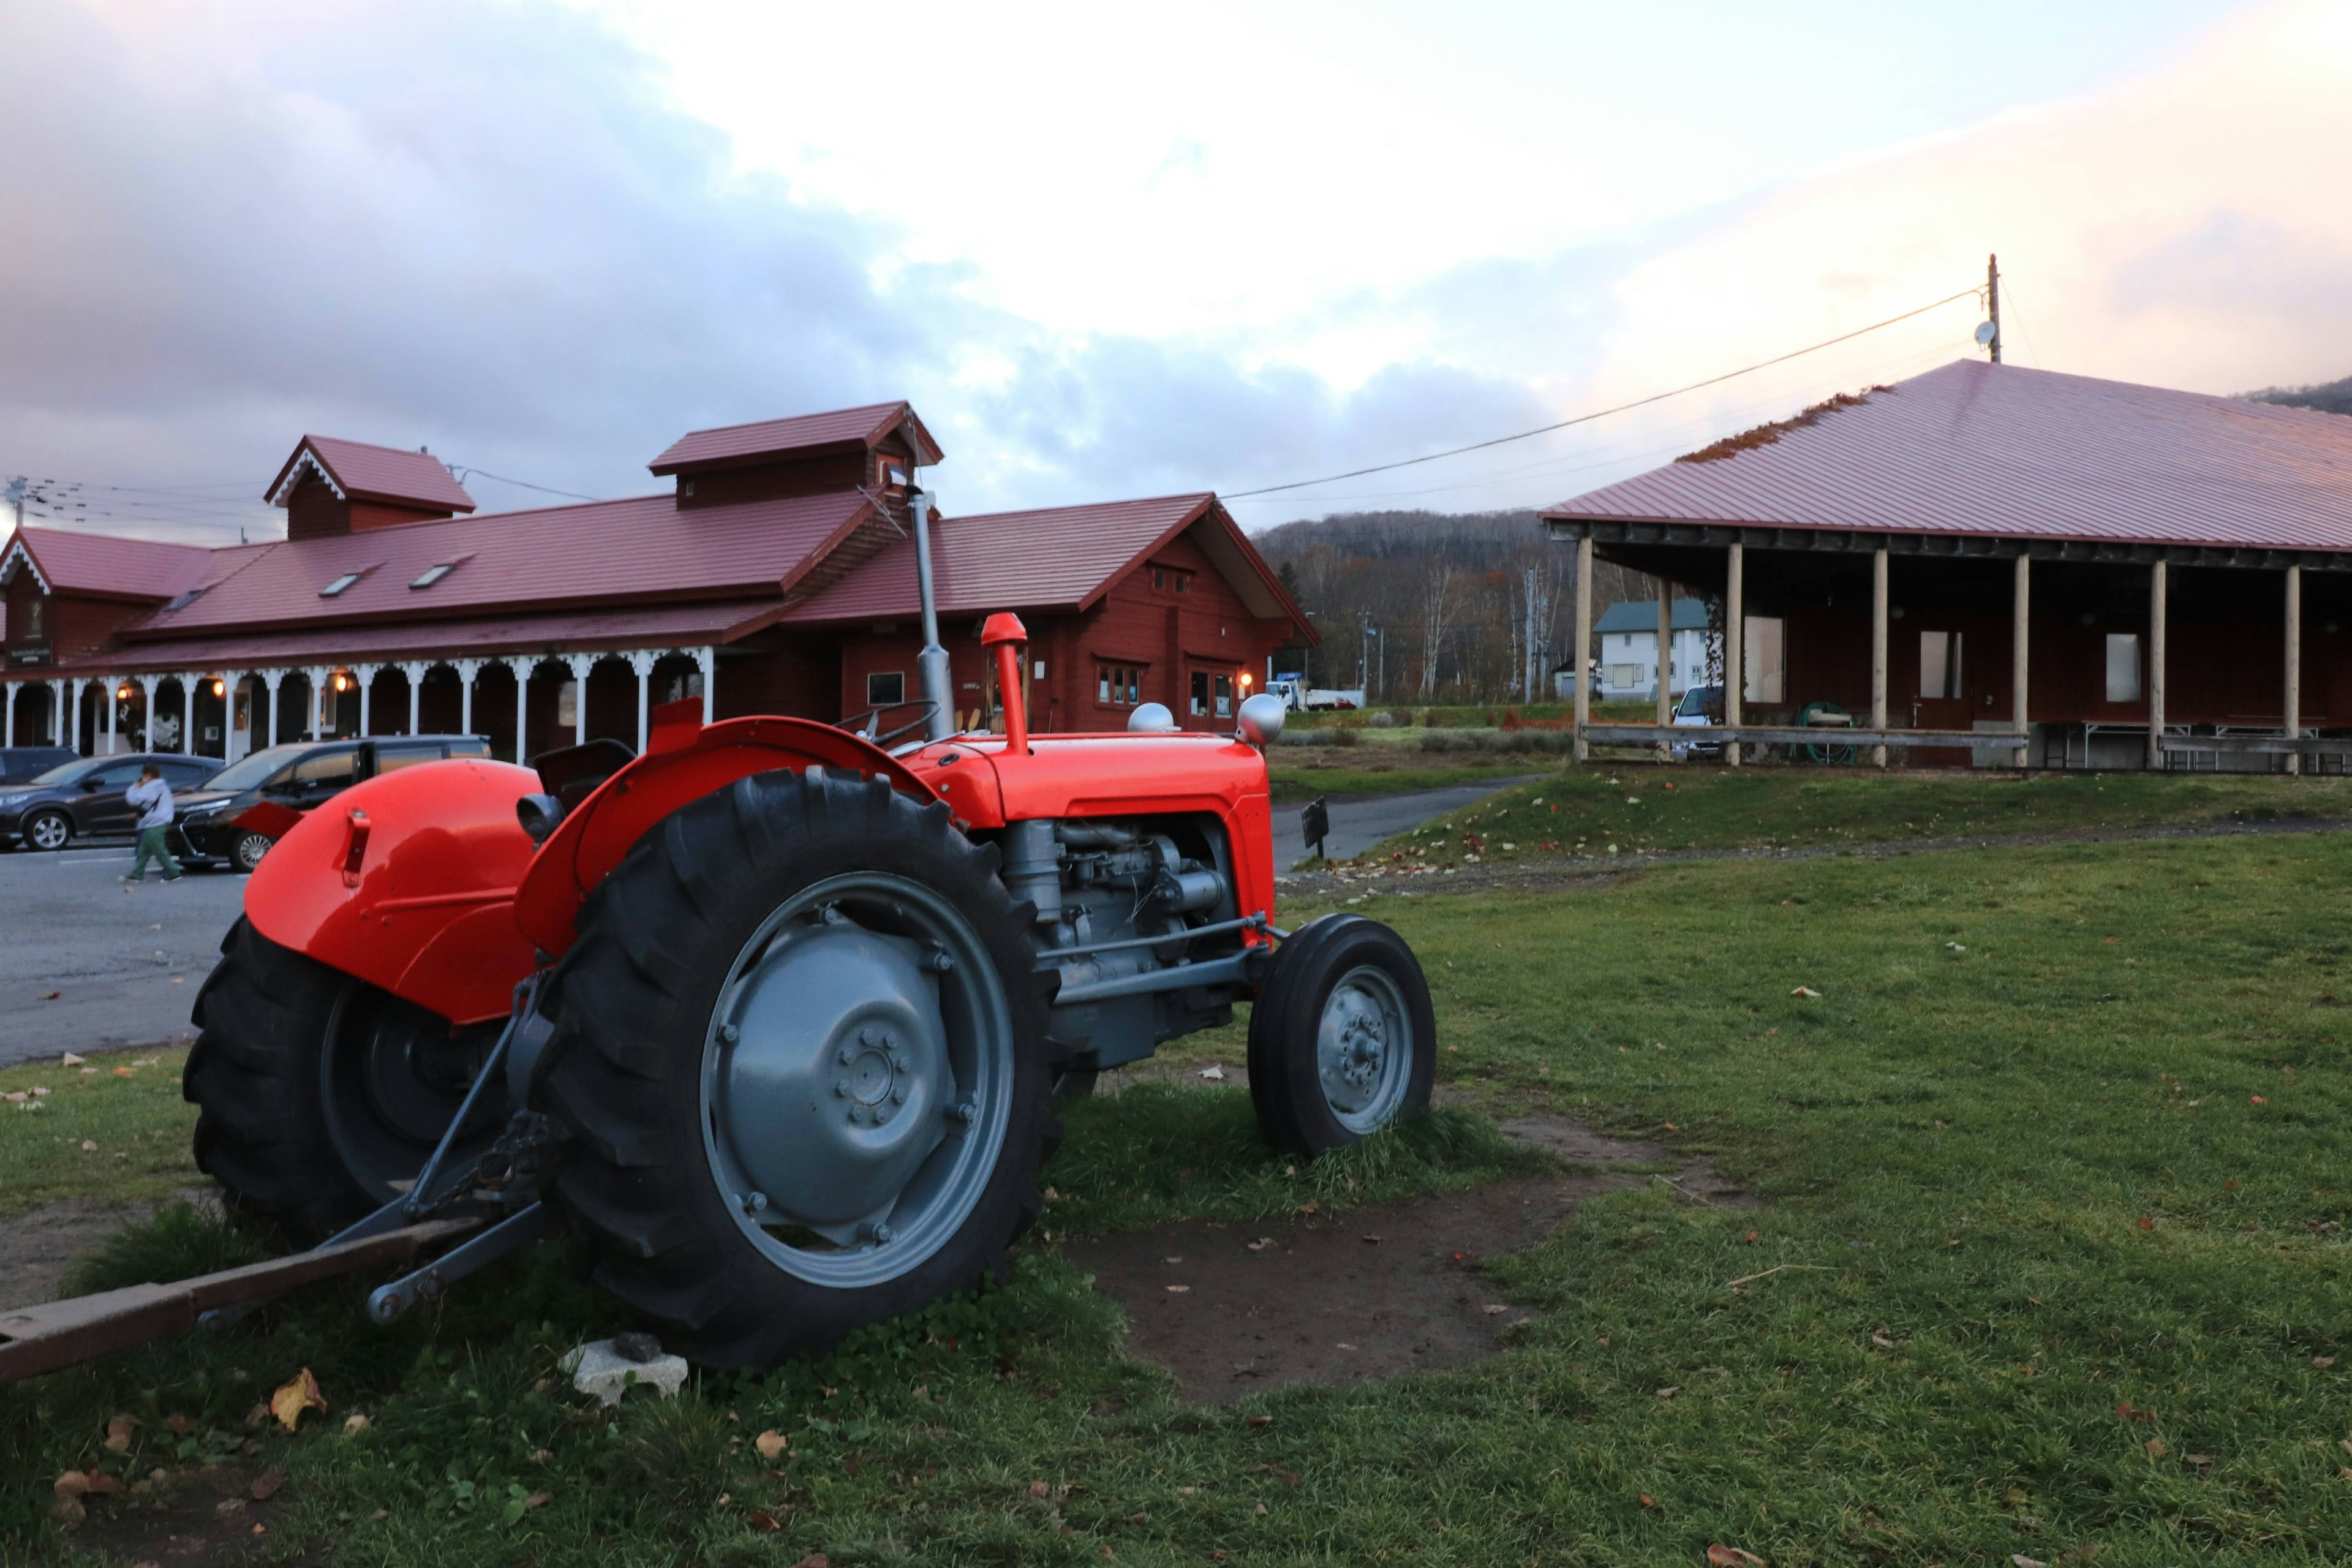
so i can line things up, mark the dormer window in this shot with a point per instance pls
(341, 583)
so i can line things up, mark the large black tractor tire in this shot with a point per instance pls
(679, 1008)
(319, 1095)
(1342, 1038)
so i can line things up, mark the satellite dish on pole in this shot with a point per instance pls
(1986, 332)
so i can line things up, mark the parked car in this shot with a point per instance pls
(22, 764)
(301, 775)
(1701, 707)
(82, 798)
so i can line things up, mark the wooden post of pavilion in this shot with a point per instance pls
(1665, 704)
(1583, 643)
(2156, 589)
(2294, 665)
(1735, 595)
(1878, 651)
(2021, 617)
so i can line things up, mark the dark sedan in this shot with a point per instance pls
(83, 798)
(300, 776)
(23, 764)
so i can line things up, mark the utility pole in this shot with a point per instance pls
(1528, 673)
(1993, 303)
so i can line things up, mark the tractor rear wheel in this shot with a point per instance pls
(321, 1096)
(1343, 1040)
(799, 1051)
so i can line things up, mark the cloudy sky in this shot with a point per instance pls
(1116, 251)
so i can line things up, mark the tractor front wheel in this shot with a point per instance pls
(1343, 1040)
(799, 1051)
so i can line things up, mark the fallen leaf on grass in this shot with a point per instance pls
(102, 1484)
(118, 1430)
(2323, 1362)
(73, 1483)
(299, 1393)
(1804, 991)
(814, 1560)
(229, 1505)
(1038, 1488)
(2018, 1558)
(1647, 1500)
(1495, 1309)
(1214, 1074)
(761, 1519)
(69, 1511)
(541, 1499)
(1732, 1557)
(770, 1443)
(2156, 1447)
(354, 1425)
(181, 1426)
(1259, 1421)
(2202, 1462)
(1879, 1338)
(266, 1484)
(1178, 1290)
(1260, 1245)
(89, 1146)
(122, 1072)
(1371, 1239)
(1669, 1391)
(15, 1097)
(68, 1059)
(2257, 1099)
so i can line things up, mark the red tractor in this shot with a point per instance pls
(771, 1017)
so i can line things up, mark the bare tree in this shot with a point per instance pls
(1436, 600)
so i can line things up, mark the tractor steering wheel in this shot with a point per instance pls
(863, 725)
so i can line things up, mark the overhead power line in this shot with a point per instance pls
(464, 474)
(1604, 413)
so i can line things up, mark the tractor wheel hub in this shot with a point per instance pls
(834, 1089)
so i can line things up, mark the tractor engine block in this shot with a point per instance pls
(1103, 890)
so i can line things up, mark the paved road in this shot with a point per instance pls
(1358, 824)
(124, 962)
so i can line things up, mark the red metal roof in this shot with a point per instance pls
(661, 625)
(734, 445)
(111, 568)
(1057, 558)
(366, 472)
(639, 550)
(1999, 450)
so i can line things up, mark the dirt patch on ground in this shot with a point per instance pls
(37, 1248)
(211, 1513)
(1373, 1293)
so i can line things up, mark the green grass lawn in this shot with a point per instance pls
(1301, 774)
(2052, 1265)
(1595, 810)
(125, 1106)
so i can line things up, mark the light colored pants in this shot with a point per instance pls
(152, 846)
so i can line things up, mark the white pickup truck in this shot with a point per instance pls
(1297, 696)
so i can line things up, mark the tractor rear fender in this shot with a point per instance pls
(685, 760)
(407, 882)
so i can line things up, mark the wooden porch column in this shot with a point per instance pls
(1878, 650)
(2021, 617)
(2156, 665)
(1583, 644)
(1735, 645)
(2293, 664)
(1665, 661)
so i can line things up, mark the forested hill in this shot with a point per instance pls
(1447, 592)
(2328, 397)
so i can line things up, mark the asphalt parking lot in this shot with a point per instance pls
(86, 963)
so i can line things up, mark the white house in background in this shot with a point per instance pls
(1628, 634)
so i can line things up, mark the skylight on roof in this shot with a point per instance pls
(184, 600)
(434, 573)
(339, 584)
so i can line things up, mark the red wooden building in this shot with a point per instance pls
(774, 575)
(2102, 574)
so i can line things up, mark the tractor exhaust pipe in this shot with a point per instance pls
(931, 664)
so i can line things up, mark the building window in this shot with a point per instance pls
(1118, 685)
(567, 705)
(886, 688)
(1764, 659)
(1183, 582)
(1159, 578)
(35, 616)
(339, 584)
(1224, 697)
(1200, 694)
(1940, 664)
(2123, 667)
(1624, 676)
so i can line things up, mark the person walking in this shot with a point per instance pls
(153, 796)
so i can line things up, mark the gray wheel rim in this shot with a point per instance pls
(251, 848)
(857, 1080)
(49, 831)
(391, 1076)
(1364, 1049)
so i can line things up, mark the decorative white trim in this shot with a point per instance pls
(305, 461)
(17, 548)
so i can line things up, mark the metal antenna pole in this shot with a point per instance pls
(1992, 302)
(931, 664)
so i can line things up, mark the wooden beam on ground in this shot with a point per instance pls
(1878, 651)
(2155, 587)
(1796, 735)
(34, 1339)
(2021, 620)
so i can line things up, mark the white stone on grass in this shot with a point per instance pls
(598, 1369)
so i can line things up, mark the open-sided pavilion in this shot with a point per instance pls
(2099, 574)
